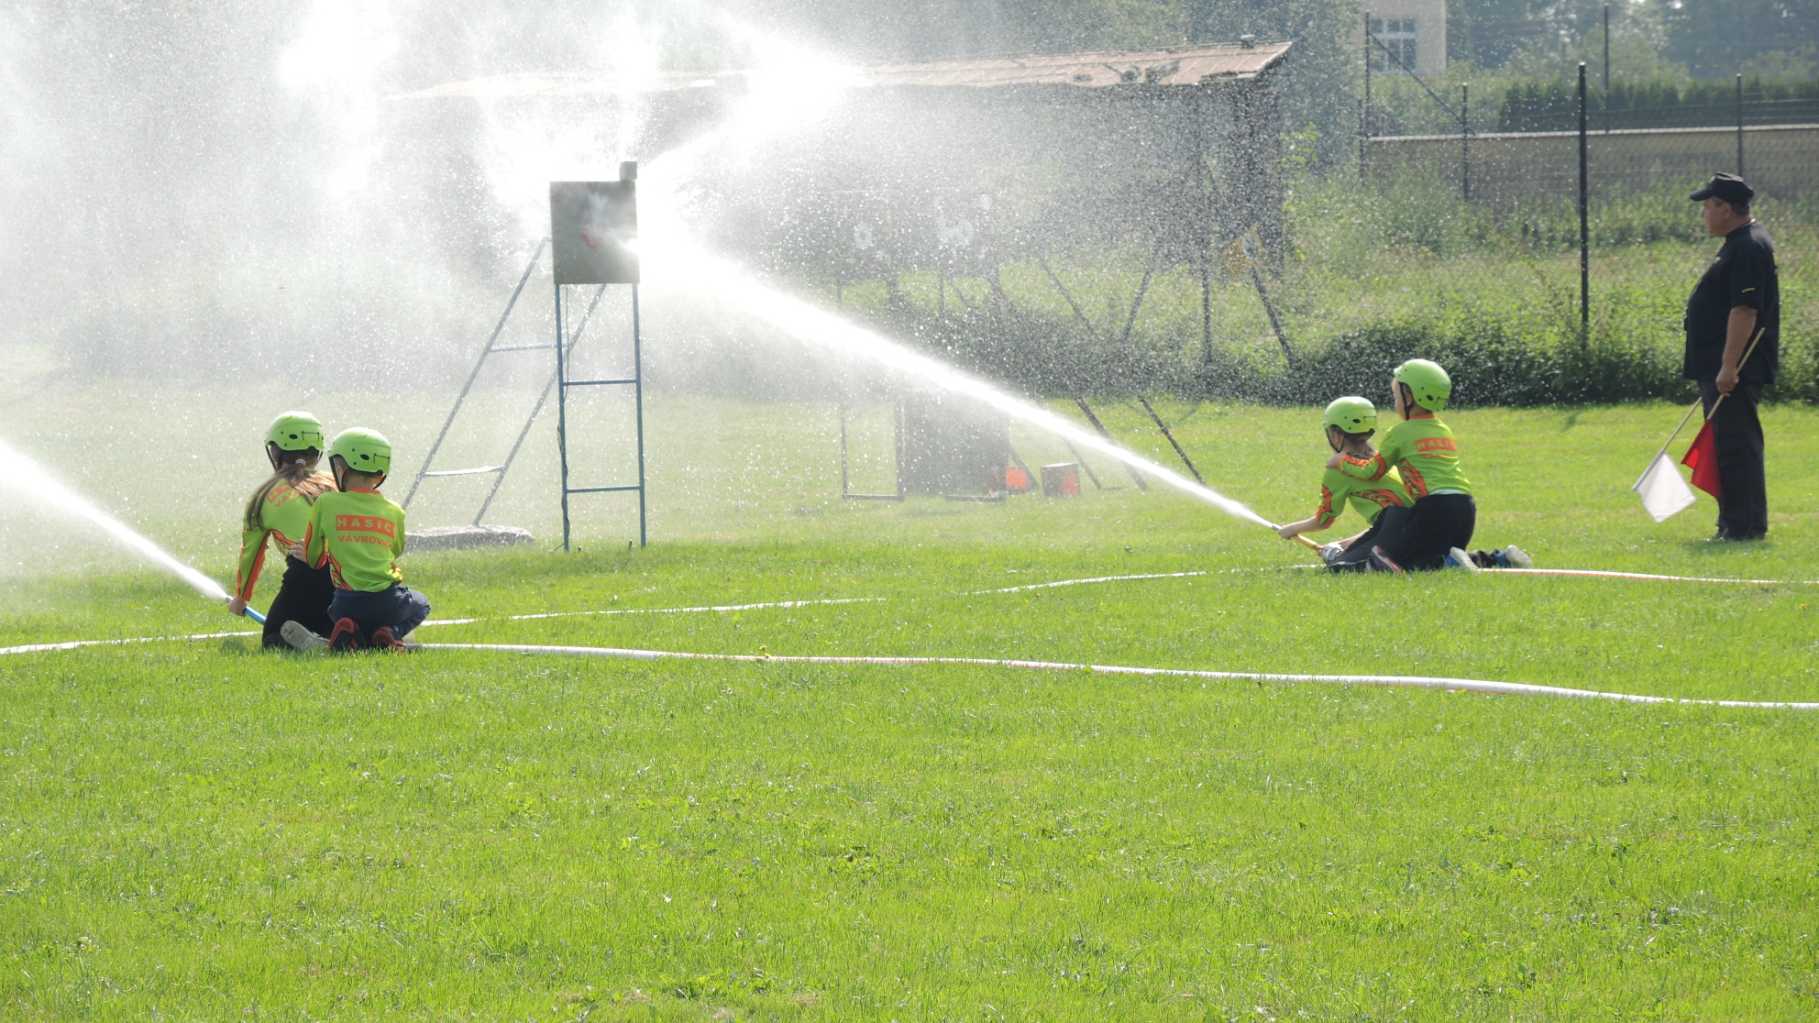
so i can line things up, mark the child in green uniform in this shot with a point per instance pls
(276, 516)
(359, 534)
(1349, 423)
(1422, 450)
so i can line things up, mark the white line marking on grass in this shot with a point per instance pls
(1597, 573)
(77, 644)
(1405, 681)
(600, 612)
(1402, 681)
(697, 609)
(1057, 584)
(829, 601)
(1579, 573)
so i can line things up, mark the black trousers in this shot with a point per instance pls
(1356, 557)
(1435, 523)
(1737, 434)
(303, 597)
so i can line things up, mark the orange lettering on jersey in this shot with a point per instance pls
(1431, 444)
(365, 524)
(1414, 482)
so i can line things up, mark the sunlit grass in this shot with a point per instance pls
(194, 830)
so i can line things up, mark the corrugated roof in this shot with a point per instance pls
(1198, 65)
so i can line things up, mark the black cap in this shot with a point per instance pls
(1728, 187)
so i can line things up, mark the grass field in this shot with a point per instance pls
(191, 830)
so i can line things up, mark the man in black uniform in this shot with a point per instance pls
(1738, 294)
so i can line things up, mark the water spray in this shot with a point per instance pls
(23, 475)
(665, 240)
(802, 319)
(789, 88)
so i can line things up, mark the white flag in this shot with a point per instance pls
(1664, 493)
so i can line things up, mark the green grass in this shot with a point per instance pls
(197, 831)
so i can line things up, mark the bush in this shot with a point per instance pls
(1489, 366)
(1554, 106)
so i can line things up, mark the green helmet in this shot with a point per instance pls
(1426, 381)
(295, 431)
(363, 450)
(1351, 414)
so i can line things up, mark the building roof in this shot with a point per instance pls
(1194, 66)
(1197, 66)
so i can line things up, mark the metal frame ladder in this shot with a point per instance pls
(492, 348)
(563, 383)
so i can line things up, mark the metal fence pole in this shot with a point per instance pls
(1364, 112)
(1585, 255)
(1465, 142)
(1740, 124)
(1607, 67)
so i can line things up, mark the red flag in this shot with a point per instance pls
(1702, 458)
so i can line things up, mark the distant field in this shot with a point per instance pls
(195, 831)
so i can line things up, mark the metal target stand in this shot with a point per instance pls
(592, 226)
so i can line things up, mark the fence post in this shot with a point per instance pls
(1364, 111)
(1740, 124)
(1607, 68)
(1585, 255)
(1465, 142)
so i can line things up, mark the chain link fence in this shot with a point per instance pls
(1561, 257)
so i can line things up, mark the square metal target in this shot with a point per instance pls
(594, 230)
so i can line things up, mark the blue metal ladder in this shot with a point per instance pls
(563, 383)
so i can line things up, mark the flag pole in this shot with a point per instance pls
(1698, 403)
(1747, 352)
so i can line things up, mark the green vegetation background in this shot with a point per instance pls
(1370, 278)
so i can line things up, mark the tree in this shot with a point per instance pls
(1489, 32)
(1321, 83)
(1721, 37)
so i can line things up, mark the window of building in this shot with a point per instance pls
(1397, 36)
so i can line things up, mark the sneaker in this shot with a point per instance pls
(1514, 557)
(409, 641)
(301, 639)
(384, 639)
(1381, 562)
(1457, 558)
(345, 637)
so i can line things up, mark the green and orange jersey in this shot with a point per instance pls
(283, 516)
(1422, 451)
(1367, 498)
(359, 534)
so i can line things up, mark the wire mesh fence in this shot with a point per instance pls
(1567, 250)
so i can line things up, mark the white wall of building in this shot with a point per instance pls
(1404, 26)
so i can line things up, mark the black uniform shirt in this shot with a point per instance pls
(1743, 274)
